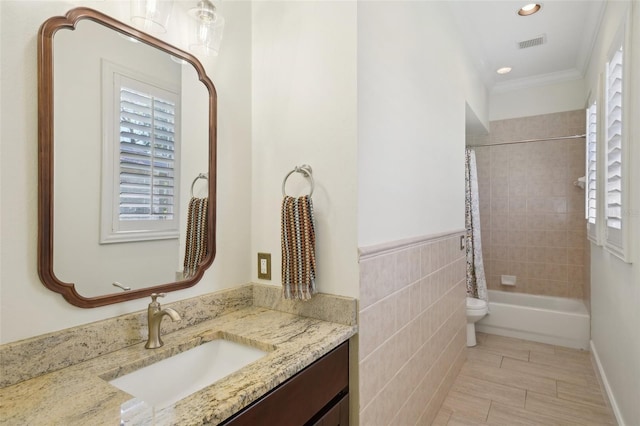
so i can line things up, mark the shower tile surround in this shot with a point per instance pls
(532, 215)
(412, 328)
(69, 385)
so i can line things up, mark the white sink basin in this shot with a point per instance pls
(172, 379)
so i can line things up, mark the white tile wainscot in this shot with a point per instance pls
(412, 327)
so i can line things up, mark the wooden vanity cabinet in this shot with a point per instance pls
(316, 396)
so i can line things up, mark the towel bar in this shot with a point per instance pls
(305, 169)
(200, 176)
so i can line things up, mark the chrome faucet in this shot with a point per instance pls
(154, 317)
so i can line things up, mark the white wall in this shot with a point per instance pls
(1, 162)
(542, 99)
(304, 112)
(414, 78)
(615, 285)
(27, 307)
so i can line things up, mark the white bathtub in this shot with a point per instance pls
(554, 320)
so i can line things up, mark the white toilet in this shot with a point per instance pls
(476, 310)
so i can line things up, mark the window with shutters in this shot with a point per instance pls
(591, 178)
(615, 147)
(141, 158)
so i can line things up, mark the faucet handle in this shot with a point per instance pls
(154, 296)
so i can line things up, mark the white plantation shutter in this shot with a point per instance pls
(591, 171)
(613, 147)
(607, 148)
(141, 158)
(147, 155)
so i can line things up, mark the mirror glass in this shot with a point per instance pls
(133, 131)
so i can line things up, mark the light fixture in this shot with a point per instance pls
(206, 35)
(151, 15)
(529, 9)
(503, 70)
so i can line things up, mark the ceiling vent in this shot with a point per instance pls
(537, 41)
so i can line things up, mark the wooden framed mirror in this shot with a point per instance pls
(126, 134)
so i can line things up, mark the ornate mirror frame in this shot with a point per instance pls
(46, 158)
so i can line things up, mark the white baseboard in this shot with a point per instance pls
(607, 388)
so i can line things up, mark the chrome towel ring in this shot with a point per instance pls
(200, 176)
(305, 170)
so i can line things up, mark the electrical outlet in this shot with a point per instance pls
(264, 266)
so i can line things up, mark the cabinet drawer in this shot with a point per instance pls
(296, 401)
(338, 414)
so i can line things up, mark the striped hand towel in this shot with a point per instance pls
(196, 239)
(298, 248)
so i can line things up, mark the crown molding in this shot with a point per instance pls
(537, 80)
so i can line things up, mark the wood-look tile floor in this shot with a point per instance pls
(516, 382)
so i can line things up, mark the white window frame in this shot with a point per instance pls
(112, 229)
(616, 240)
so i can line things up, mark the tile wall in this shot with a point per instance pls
(412, 329)
(532, 214)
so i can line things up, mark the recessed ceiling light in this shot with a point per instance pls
(503, 70)
(529, 9)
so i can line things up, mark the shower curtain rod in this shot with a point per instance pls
(528, 140)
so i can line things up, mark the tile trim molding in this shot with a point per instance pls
(368, 252)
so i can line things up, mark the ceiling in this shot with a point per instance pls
(492, 30)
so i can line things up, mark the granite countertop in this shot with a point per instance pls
(80, 394)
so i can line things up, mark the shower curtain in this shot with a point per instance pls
(476, 281)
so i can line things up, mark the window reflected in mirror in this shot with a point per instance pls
(141, 148)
